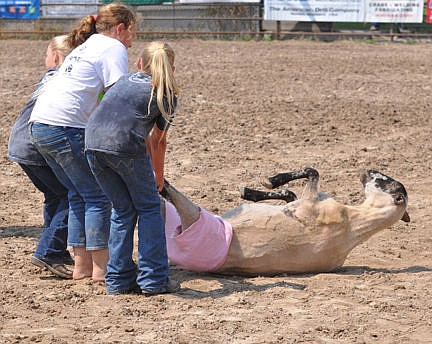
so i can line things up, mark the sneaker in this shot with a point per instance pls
(171, 287)
(59, 270)
(133, 290)
(67, 259)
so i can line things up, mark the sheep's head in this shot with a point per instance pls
(374, 181)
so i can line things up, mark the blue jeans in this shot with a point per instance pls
(89, 208)
(130, 185)
(53, 242)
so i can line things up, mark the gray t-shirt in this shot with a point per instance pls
(121, 122)
(20, 147)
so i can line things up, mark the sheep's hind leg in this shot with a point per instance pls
(283, 178)
(188, 211)
(256, 195)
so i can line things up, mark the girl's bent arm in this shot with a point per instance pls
(156, 143)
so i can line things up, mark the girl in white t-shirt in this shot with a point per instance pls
(59, 118)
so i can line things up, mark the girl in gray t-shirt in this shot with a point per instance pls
(125, 140)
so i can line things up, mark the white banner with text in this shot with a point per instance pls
(380, 11)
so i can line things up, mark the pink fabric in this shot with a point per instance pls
(201, 247)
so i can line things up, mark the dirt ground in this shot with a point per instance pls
(249, 110)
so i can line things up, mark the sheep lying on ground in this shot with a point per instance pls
(311, 234)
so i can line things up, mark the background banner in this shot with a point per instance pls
(394, 11)
(19, 9)
(68, 8)
(381, 11)
(429, 11)
(217, 1)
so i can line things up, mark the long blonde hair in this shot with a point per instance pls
(158, 62)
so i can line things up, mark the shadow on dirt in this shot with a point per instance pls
(228, 285)
(19, 231)
(360, 270)
(225, 285)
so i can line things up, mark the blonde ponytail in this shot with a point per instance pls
(158, 61)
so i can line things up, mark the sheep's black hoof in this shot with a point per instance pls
(267, 183)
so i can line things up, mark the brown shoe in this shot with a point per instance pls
(57, 269)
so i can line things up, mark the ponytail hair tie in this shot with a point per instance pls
(94, 17)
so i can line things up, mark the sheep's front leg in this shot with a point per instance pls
(311, 188)
(256, 195)
(283, 178)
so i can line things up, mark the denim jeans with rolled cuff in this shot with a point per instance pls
(89, 208)
(129, 183)
(52, 245)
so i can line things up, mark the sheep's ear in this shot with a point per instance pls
(405, 217)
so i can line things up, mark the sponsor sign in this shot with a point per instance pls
(19, 9)
(429, 11)
(381, 11)
(68, 8)
(218, 1)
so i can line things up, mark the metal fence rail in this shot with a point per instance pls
(18, 34)
(225, 20)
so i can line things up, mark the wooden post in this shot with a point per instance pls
(278, 29)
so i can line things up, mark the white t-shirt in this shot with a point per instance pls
(69, 97)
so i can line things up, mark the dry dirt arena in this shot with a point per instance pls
(249, 110)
